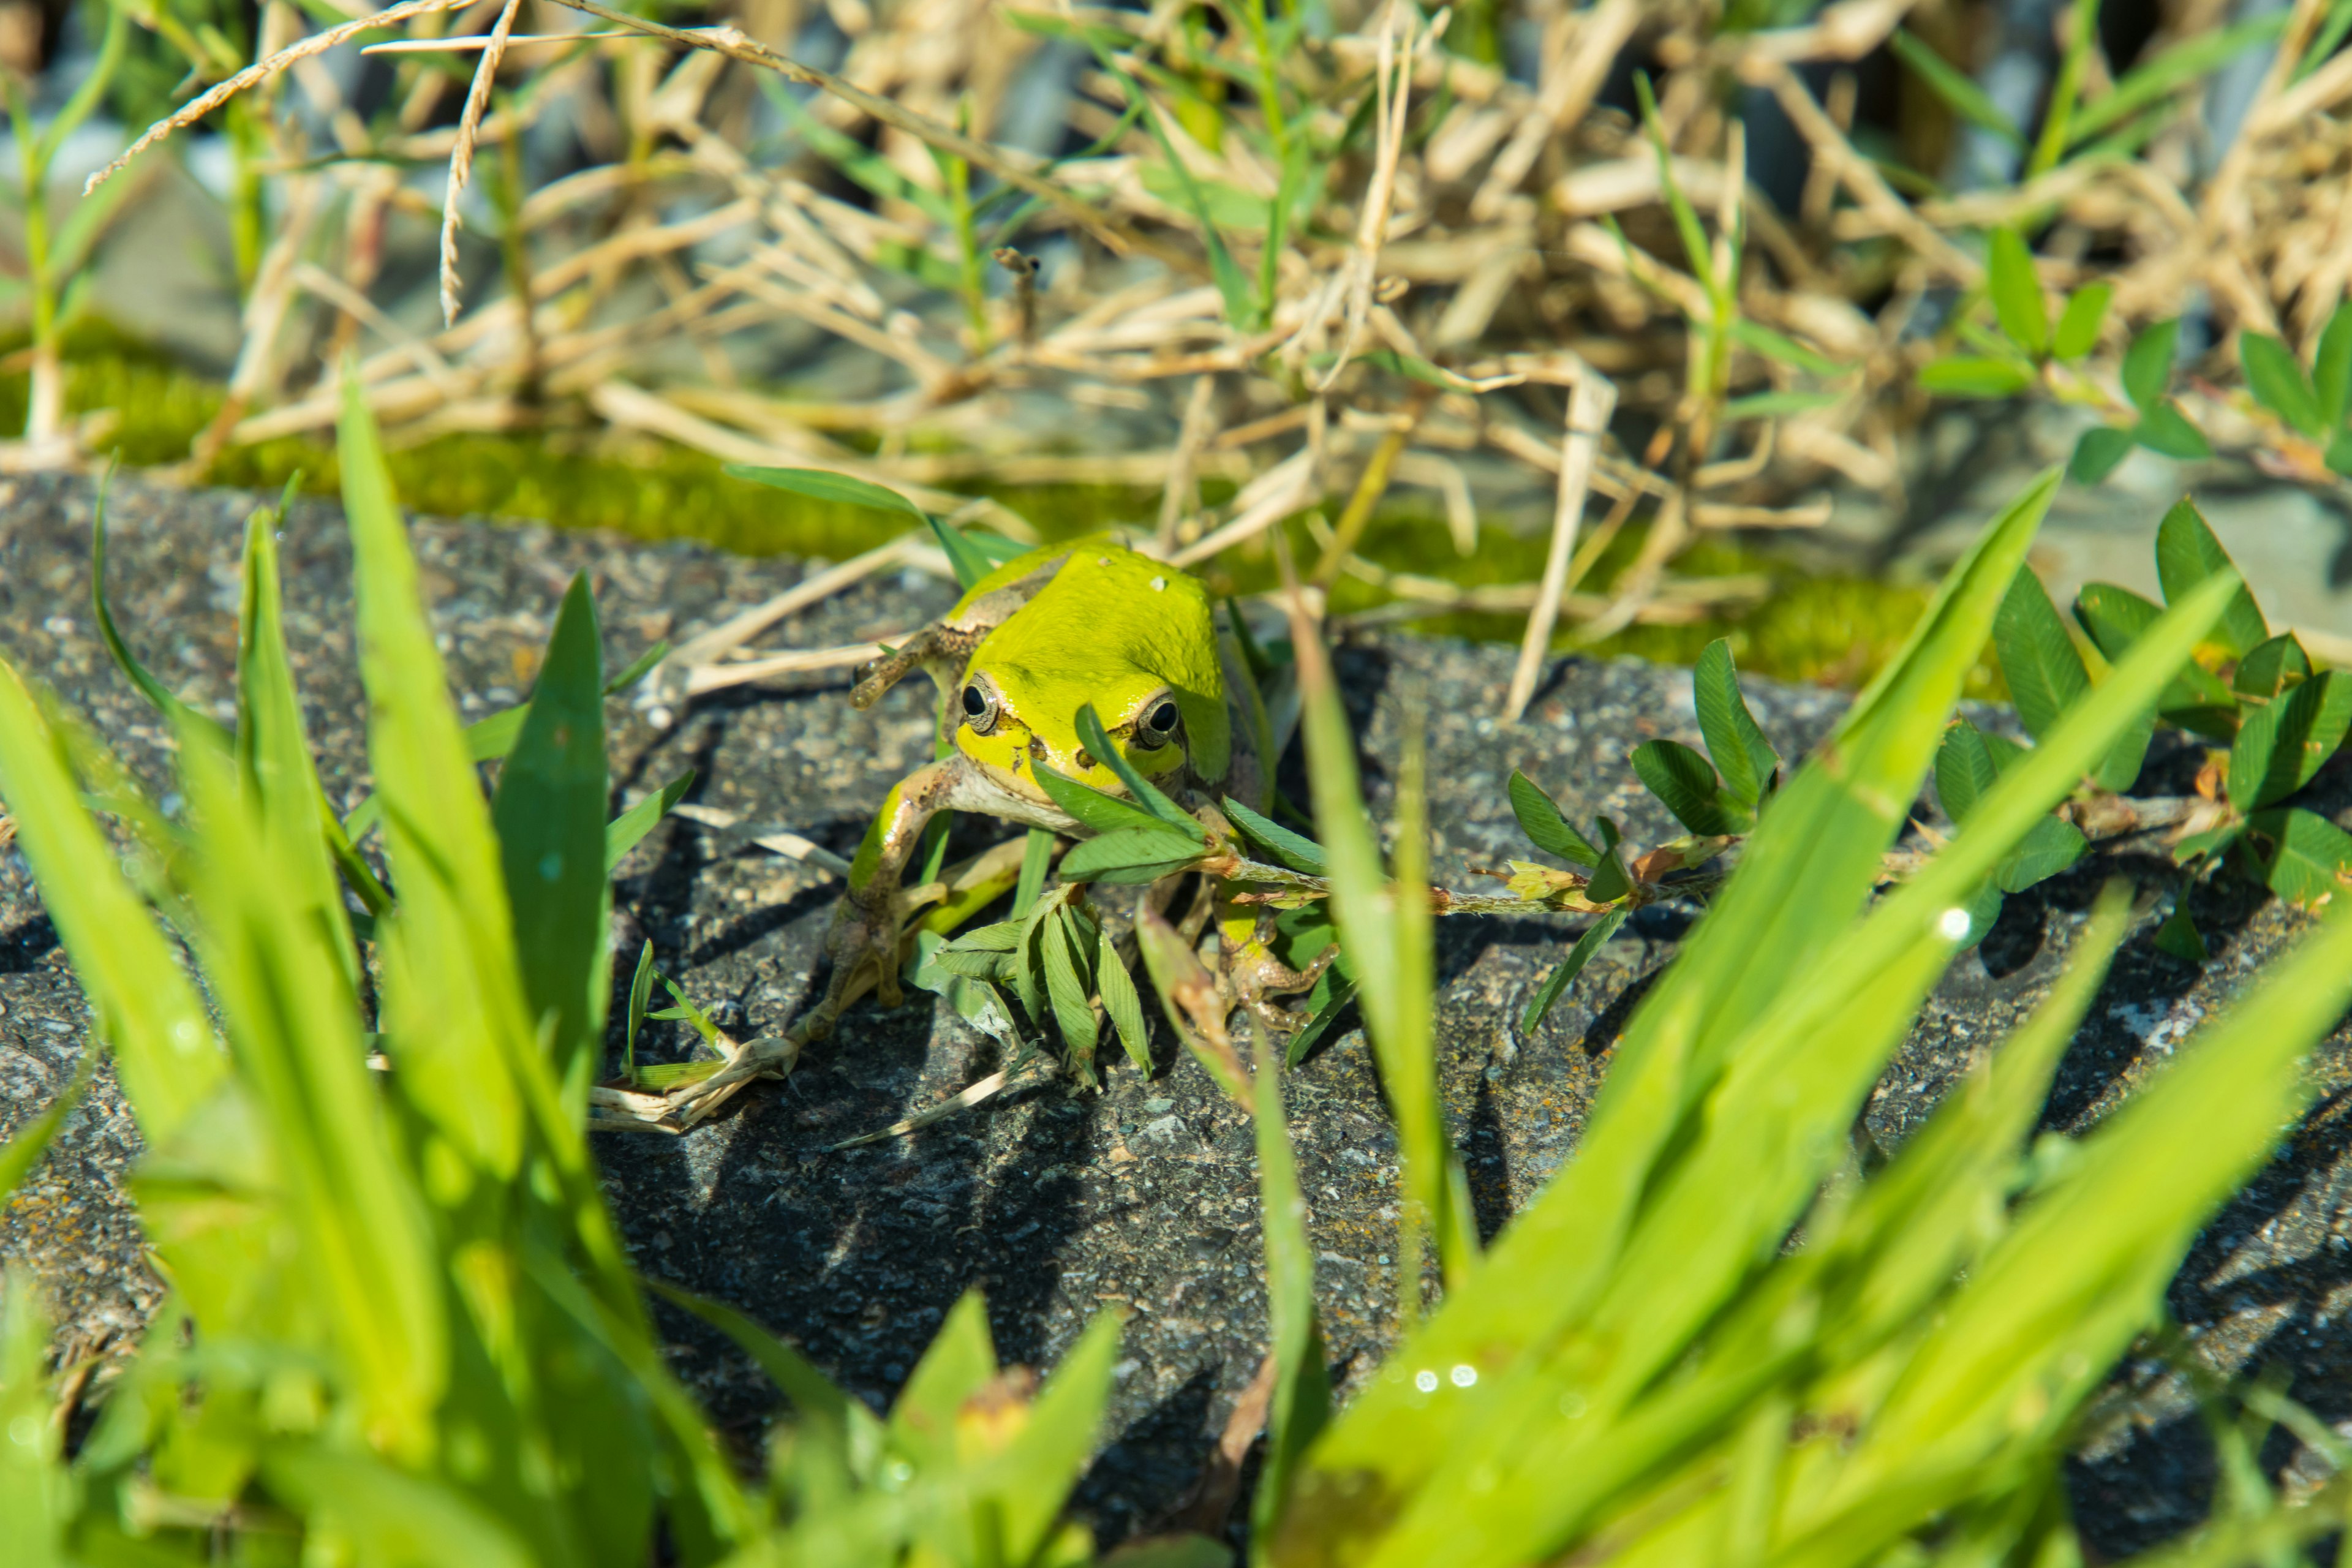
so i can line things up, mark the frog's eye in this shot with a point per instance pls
(1158, 724)
(980, 707)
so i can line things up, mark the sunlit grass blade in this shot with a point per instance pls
(466, 1052)
(293, 1026)
(549, 813)
(1302, 1389)
(146, 1009)
(1729, 1197)
(35, 1492)
(959, 1361)
(2084, 1267)
(1027, 1483)
(404, 1519)
(1385, 927)
(273, 754)
(29, 1142)
(1804, 877)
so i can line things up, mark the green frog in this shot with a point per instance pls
(1048, 632)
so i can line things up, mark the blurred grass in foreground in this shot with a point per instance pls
(1835, 631)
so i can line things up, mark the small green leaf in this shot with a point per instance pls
(1540, 820)
(2147, 364)
(2331, 368)
(1556, 984)
(641, 991)
(2164, 429)
(2281, 745)
(1336, 994)
(2119, 769)
(624, 832)
(1609, 881)
(2208, 844)
(1742, 756)
(1294, 850)
(824, 484)
(2045, 675)
(1119, 1000)
(1983, 907)
(2017, 293)
(2196, 700)
(1964, 770)
(1004, 936)
(2278, 382)
(2078, 325)
(2271, 668)
(636, 669)
(2097, 451)
(2048, 847)
(1035, 855)
(1128, 855)
(1091, 808)
(1103, 750)
(1976, 376)
(2339, 454)
(2308, 858)
(2178, 935)
(2185, 554)
(1068, 987)
(1686, 781)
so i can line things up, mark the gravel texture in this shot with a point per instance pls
(1058, 1205)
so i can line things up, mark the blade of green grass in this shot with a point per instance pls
(293, 1026)
(2084, 1267)
(627, 831)
(37, 1495)
(1744, 1178)
(548, 814)
(1302, 1385)
(147, 1011)
(1804, 877)
(2171, 68)
(1958, 90)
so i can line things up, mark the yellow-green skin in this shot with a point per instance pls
(1050, 631)
(1112, 628)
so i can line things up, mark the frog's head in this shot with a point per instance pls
(1133, 637)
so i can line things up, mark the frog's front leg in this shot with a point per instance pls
(864, 939)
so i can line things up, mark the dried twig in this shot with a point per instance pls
(461, 155)
(1589, 408)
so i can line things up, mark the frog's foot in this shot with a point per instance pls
(674, 1097)
(863, 945)
(1256, 976)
